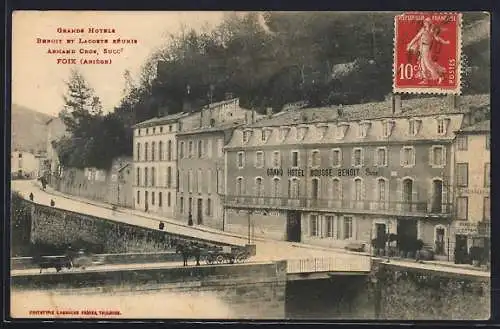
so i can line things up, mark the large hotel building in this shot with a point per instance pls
(335, 175)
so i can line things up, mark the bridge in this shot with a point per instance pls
(303, 261)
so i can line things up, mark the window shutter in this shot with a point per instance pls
(376, 157)
(310, 160)
(445, 161)
(445, 200)
(362, 157)
(431, 156)
(399, 192)
(331, 158)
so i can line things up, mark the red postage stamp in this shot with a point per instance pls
(427, 53)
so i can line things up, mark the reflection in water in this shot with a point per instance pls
(143, 304)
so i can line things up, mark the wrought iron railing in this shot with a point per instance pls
(344, 204)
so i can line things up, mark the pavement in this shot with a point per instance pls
(267, 250)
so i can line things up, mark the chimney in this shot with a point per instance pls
(396, 104)
(269, 111)
(452, 101)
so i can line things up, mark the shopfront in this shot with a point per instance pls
(472, 242)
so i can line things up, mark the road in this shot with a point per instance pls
(267, 250)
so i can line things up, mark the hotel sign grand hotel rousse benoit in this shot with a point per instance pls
(339, 175)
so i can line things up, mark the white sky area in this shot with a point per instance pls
(38, 82)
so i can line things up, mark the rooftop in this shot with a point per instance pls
(219, 127)
(415, 107)
(157, 121)
(479, 127)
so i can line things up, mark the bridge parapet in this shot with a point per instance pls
(329, 264)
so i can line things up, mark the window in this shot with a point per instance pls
(209, 149)
(190, 205)
(160, 150)
(140, 131)
(315, 159)
(259, 187)
(154, 130)
(190, 181)
(462, 142)
(293, 188)
(358, 189)
(381, 192)
(169, 177)
(153, 145)
(329, 220)
(138, 151)
(259, 159)
(486, 208)
(357, 157)
(486, 175)
(170, 128)
(220, 148)
(146, 151)
(161, 129)
(199, 180)
(246, 136)
(336, 189)
(412, 131)
(147, 131)
(152, 198)
(363, 129)
(462, 174)
(138, 176)
(462, 208)
(160, 199)
(138, 197)
(276, 159)
(283, 132)
(209, 207)
(488, 141)
(295, 158)
(153, 176)
(336, 157)
(314, 225)
(387, 127)
(341, 130)
(181, 150)
(169, 201)
(209, 181)
(381, 157)
(263, 135)
(407, 156)
(441, 126)
(241, 159)
(190, 149)
(146, 177)
(276, 187)
(181, 205)
(200, 149)
(239, 186)
(169, 150)
(220, 181)
(437, 157)
(347, 228)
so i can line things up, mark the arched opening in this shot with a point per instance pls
(437, 196)
(407, 194)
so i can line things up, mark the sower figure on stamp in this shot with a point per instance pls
(421, 44)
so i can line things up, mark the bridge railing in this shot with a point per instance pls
(360, 263)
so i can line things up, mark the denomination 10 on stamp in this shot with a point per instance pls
(427, 53)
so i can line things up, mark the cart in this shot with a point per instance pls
(226, 254)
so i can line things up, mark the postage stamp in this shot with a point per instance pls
(427, 53)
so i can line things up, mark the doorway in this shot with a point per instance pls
(440, 244)
(437, 196)
(407, 233)
(381, 235)
(314, 192)
(461, 252)
(146, 201)
(407, 194)
(293, 227)
(200, 212)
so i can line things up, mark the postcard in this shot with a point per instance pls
(250, 165)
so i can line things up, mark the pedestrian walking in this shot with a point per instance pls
(190, 219)
(52, 203)
(31, 196)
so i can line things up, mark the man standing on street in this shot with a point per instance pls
(190, 219)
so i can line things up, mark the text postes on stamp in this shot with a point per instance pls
(427, 53)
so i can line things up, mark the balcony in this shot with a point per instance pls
(412, 209)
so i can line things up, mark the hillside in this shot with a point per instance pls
(29, 131)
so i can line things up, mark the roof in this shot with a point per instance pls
(479, 127)
(422, 106)
(161, 120)
(218, 128)
(227, 101)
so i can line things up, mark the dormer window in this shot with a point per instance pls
(387, 128)
(266, 132)
(363, 129)
(284, 132)
(414, 126)
(322, 130)
(442, 125)
(341, 130)
(263, 134)
(301, 132)
(246, 135)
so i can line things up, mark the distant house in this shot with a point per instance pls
(55, 130)
(23, 164)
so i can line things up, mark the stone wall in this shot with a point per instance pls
(249, 290)
(55, 229)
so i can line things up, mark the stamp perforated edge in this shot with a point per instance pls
(459, 56)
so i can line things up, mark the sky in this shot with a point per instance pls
(38, 81)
